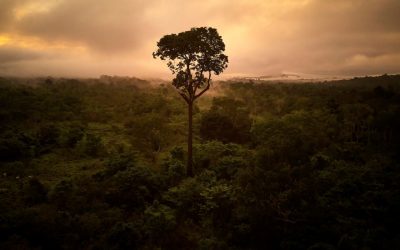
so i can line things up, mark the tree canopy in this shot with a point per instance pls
(192, 57)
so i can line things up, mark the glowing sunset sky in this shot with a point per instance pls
(89, 38)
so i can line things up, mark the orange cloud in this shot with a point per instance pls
(117, 37)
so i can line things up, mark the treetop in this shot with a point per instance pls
(190, 55)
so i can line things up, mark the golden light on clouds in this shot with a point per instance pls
(34, 7)
(36, 43)
(94, 37)
(4, 40)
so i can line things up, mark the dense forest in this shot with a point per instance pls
(100, 164)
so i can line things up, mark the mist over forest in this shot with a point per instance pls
(199, 125)
(100, 164)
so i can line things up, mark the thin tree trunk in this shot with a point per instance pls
(189, 170)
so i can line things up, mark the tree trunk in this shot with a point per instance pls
(189, 168)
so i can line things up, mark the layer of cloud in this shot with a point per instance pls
(101, 25)
(10, 55)
(342, 37)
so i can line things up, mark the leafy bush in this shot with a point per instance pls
(90, 145)
(34, 192)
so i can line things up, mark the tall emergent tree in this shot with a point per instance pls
(193, 56)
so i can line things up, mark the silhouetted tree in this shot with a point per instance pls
(192, 57)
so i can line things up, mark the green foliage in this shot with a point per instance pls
(227, 166)
(217, 126)
(294, 136)
(154, 125)
(63, 194)
(90, 145)
(133, 187)
(216, 204)
(184, 196)
(177, 153)
(174, 171)
(16, 146)
(120, 162)
(34, 192)
(210, 155)
(98, 164)
(71, 134)
(159, 222)
(199, 49)
(212, 244)
(227, 121)
(124, 236)
(173, 168)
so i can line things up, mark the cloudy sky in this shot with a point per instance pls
(88, 38)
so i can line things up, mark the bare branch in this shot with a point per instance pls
(206, 88)
(196, 86)
(202, 92)
(181, 93)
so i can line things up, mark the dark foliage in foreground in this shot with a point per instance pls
(100, 164)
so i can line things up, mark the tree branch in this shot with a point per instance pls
(196, 86)
(202, 92)
(183, 95)
(206, 88)
(189, 81)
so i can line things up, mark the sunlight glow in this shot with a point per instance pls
(4, 39)
(262, 37)
(34, 7)
(35, 43)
